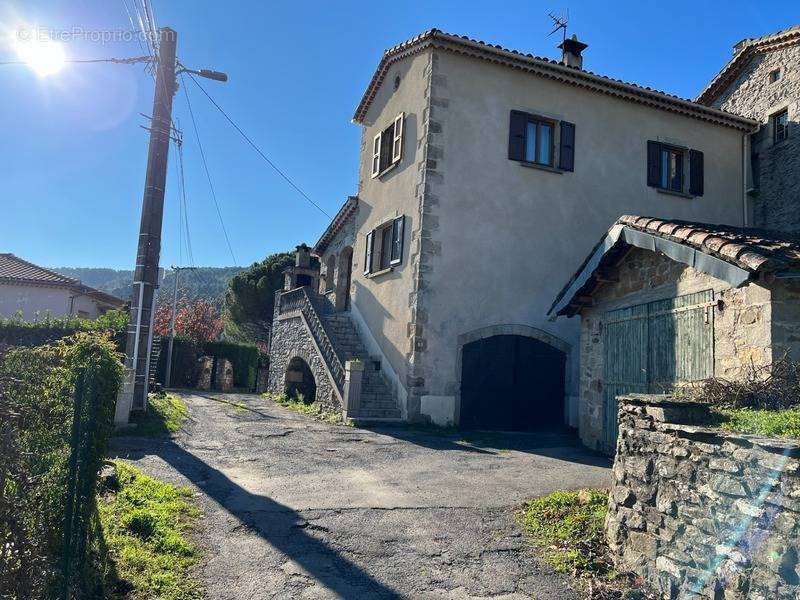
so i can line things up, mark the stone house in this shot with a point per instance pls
(485, 174)
(665, 303)
(34, 291)
(762, 82)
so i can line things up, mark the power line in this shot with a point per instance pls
(257, 149)
(185, 206)
(208, 174)
(120, 61)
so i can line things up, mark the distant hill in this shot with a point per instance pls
(204, 282)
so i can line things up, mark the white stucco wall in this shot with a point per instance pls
(38, 301)
(509, 236)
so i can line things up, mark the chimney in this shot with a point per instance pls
(302, 256)
(571, 50)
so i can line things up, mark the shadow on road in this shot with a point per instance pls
(564, 445)
(284, 529)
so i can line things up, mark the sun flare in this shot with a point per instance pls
(44, 56)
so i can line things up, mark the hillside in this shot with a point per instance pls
(204, 282)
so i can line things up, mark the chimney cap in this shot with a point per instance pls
(573, 45)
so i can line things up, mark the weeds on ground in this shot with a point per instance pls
(166, 413)
(774, 423)
(567, 527)
(314, 409)
(144, 524)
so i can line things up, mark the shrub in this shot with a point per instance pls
(16, 332)
(36, 415)
(777, 423)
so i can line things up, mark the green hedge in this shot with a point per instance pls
(243, 357)
(37, 390)
(17, 332)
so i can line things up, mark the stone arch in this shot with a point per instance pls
(299, 380)
(344, 276)
(523, 331)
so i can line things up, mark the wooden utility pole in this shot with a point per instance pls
(145, 279)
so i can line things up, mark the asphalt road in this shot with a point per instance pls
(296, 508)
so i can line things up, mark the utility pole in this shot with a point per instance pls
(145, 279)
(168, 378)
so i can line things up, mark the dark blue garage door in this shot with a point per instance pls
(512, 383)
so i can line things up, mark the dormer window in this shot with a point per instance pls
(387, 147)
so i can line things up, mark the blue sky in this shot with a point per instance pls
(74, 152)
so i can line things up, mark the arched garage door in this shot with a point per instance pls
(513, 383)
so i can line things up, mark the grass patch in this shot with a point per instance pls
(774, 423)
(144, 525)
(165, 414)
(568, 526)
(313, 409)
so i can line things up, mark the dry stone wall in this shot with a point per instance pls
(700, 512)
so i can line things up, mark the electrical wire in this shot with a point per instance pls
(256, 148)
(120, 61)
(185, 206)
(208, 174)
(133, 27)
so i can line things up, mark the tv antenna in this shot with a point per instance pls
(560, 22)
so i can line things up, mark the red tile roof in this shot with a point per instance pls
(750, 252)
(749, 248)
(14, 270)
(544, 67)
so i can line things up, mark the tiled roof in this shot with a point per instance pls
(13, 268)
(748, 248)
(345, 212)
(544, 67)
(744, 52)
(749, 252)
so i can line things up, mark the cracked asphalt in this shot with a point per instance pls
(297, 508)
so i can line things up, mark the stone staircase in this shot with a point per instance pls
(376, 396)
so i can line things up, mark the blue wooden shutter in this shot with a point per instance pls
(696, 175)
(653, 164)
(516, 135)
(398, 225)
(566, 154)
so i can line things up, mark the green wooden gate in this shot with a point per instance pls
(655, 347)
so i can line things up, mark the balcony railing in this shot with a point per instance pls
(306, 302)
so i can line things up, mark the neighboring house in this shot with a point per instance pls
(486, 175)
(35, 292)
(665, 303)
(762, 82)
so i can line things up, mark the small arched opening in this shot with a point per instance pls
(299, 382)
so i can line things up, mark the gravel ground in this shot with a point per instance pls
(296, 508)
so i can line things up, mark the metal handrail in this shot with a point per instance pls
(302, 300)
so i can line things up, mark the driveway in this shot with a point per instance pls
(296, 508)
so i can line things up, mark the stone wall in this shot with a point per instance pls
(776, 205)
(742, 325)
(697, 510)
(291, 338)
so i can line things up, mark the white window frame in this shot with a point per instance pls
(396, 141)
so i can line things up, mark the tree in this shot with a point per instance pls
(250, 295)
(197, 320)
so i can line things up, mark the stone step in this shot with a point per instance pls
(367, 413)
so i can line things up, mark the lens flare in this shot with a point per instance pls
(44, 56)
